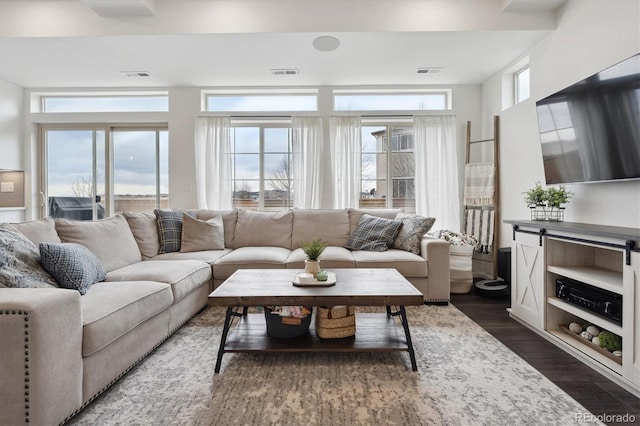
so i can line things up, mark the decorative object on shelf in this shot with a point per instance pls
(305, 279)
(313, 249)
(335, 322)
(547, 204)
(285, 322)
(604, 339)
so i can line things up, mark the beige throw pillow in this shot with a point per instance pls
(110, 239)
(200, 235)
(264, 229)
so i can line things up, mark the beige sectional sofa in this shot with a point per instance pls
(59, 350)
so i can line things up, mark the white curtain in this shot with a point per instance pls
(437, 191)
(307, 166)
(213, 162)
(346, 147)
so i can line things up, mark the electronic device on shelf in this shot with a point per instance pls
(605, 303)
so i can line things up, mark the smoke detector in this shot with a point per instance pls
(284, 72)
(429, 70)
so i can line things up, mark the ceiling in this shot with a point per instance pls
(69, 43)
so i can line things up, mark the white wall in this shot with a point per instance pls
(11, 155)
(11, 101)
(591, 35)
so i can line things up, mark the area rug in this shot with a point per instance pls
(465, 377)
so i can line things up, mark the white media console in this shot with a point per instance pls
(605, 257)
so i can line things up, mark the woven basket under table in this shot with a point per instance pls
(335, 322)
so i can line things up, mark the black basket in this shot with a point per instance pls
(286, 327)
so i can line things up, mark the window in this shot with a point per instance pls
(262, 167)
(348, 100)
(261, 100)
(86, 177)
(104, 103)
(521, 84)
(388, 169)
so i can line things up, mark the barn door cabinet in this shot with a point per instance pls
(605, 257)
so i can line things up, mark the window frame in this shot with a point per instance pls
(108, 129)
(516, 79)
(266, 93)
(262, 126)
(39, 101)
(447, 93)
(390, 126)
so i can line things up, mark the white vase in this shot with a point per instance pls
(312, 266)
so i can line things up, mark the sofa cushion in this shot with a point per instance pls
(72, 265)
(111, 309)
(202, 234)
(331, 226)
(39, 231)
(408, 264)
(411, 232)
(331, 257)
(373, 234)
(208, 256)
(266, 229)
(229, 219)
(109, 239)
(183, 276)
(356, 214)
(144, 228)
(170, 229)
(20, 261)
(250, 257)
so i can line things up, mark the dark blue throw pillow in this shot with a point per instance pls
(72, 265)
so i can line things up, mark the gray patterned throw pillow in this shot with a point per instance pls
(411, 232)
(373, 233)
(170, 229)
(20, 261)
(73, 265)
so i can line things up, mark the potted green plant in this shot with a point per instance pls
(556, 197)
(313, 249)
(536, 196)
(547, 204)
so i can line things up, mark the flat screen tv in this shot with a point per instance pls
(590, 131)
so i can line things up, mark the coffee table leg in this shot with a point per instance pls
(223, 340)
(405, 325)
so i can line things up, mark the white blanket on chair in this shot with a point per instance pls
(479, 184)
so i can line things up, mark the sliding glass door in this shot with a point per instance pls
(75, 173)
(91, 173)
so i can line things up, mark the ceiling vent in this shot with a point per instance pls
(135, 74)
(284, 72)
(122, 8)
(430, 70)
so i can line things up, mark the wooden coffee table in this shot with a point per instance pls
(375, 332)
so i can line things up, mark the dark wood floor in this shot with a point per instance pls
(595, 392)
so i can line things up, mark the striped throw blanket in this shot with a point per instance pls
(479, 184)
(479, 224)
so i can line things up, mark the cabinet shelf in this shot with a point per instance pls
(585, 315)
(593, 275)
(604, 257)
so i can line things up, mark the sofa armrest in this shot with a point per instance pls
(436, 251)
(40, 355)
